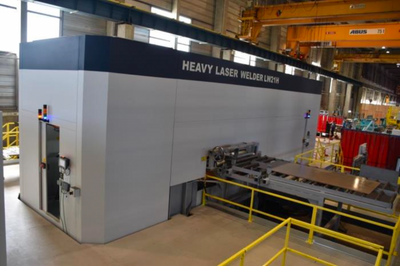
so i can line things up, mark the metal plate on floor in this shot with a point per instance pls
(350, 182)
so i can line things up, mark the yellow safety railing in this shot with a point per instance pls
(10, 135)
(288, 223)
(318, 156)
(315, 209)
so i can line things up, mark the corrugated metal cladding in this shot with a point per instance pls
(201, 12)
(164, 4)
(147, 4)
(80, 24)
(264, 40)
(235, 8)
(8, 81)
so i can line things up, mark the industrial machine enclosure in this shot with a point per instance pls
(136, 119)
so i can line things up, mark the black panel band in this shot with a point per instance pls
(116, 55)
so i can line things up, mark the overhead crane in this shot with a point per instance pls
(369, 58)
(373, 58)
(370, 35)
(316, 12)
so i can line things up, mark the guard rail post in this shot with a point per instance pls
(251, 206)
(313, 220)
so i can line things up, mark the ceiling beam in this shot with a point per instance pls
(131, 15)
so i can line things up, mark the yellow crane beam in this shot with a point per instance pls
(365, 58)
(368, 58)
(313, 12)
(370, 35)
(342, 33)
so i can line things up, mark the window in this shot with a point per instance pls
(9, 26)
(162, 38)
(289, 70)
(159, 37)
(331, 86)
(162, 12)
(243, 58)
(43, 22)
(318, 65)
(182, 43)
(166, 39)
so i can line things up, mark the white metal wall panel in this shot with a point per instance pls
(139, 149)
(211, 114)
(201, 11)
(8, 81)
(38, 88)
(91, 153)
(81, 24)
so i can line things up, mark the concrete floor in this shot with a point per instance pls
(206, 238)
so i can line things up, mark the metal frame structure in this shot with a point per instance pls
(251, 171)
(10, 135)
(349, 35)
(132, 15)
(372, 58)
(315, 12)
(316, 209)
(245, 163)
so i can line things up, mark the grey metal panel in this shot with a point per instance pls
(381, 174)
(137, 190)
(175, 200)
(8, 81)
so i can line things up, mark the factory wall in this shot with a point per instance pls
(140, 118)
(80, 24)
(8, 81)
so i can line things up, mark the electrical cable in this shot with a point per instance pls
(62, 203)
(63, 207)
(61, 216)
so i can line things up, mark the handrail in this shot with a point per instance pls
(255, 243)
(10, 134)
(311, 156)
(301, 202)
(316, 208)
(311, 160)
(288, 223)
